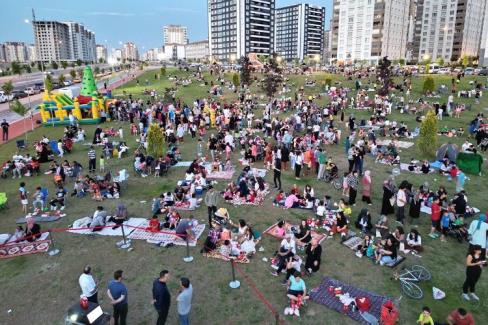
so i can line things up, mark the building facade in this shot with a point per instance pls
(82, 44)
(484, 41)
(197, 50)
(327, 47)
(448, 29)
(239, 27)
(175, 34)
(2, 53)
(16, 52)
(101, 53)
(130, 52)
(31, 53)
(299, 31)
(367, 30)
(63, 41)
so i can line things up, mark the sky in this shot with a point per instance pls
(138, 21)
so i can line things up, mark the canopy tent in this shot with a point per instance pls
(447, 150)
(469, 163)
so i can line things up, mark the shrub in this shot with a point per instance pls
(429, 85)
(155, 140)
(427, 141)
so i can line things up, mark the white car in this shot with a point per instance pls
(444, 71)
(4, 98)
(31, 91)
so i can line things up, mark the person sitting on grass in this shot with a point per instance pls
(120, 216)
(460, 316)
(414, 241)
(388, 254)
(341, 226)
(365, 247)
(279, 199)
(425, 317)
(287, 250)
(303, 234)
(32, 230)
(364, 221)
(297, 292)
(98, 219)
(154, 225)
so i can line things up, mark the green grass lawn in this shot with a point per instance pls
(43, 287)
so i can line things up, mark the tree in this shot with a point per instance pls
(72, 73)
(80, 73)
(273, 77)
(101, 60)
(7, 88)
(162, 71)
(72, 64)
(97, 70)
(401, 61)
(20, 109)
(27, 68)
(64, 64)
(235, 80)
(48, 83)
(245, 71)
(440, 61)
(61, 79)
(155, 140)
(79, 62)
(54, 65)
(16, 68)
(427, 141)
(384, 76)
(429, 85)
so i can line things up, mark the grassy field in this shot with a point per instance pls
(42, 288)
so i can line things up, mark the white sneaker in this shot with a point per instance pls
(465, 296)
(475, 297)
(297, 312)
(62, 208)
(287, 311)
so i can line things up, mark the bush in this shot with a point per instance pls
(328, 82)
(235, 80)
(427, 141)
(429, 85)
(155, 141)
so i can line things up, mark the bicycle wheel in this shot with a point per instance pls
(411, 290)
(337, 183)
(421, 273)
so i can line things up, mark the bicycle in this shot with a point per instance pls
(334, 179)
(408, 279)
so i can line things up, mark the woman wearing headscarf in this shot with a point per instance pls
(415, 205)
(388, 193)
(477, 231)
(366, 182)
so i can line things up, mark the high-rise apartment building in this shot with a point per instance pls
(196, 50)
(175, 34)
(2, 53)
(101, 53)
(327, 47)
(130, 52)
(31, 53)
(367, 30)
(484, 41)
(16, 52)
(82, 44)
(239, 27)
(63, 41)
(448, 29)
(299, 31)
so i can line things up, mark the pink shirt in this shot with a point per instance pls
(290, 200)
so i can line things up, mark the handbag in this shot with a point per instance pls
(393, 200)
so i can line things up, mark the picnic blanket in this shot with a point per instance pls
(43, 217)
(107, 231)
(271, 231)
(41, 245)
(321, 295)
(228, 174)
(428, 210)
(353, 242)
(215, 254)
(168, 236)
(182, 206)
(399, 143)
(404, 167)
(182, 164)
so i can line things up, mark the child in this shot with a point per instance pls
(279, 199)
(435, 216)
(23, 197)
(445, 223)
(362, 249)
(425, 318)
(225, 249)
(153, 224)
(102, 163)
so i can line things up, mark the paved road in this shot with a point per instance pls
(34, 100)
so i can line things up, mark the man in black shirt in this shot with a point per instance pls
(277, 174)
(5, 127)
(161, 296)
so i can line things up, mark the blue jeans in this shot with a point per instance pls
(184, 319)
(387, 260)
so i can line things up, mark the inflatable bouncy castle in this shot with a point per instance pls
(86, 108)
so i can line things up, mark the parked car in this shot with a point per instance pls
(67, 83)
(39, 86)
(469, 71)
(483, 72)
(18, 94)
(31, 91)
(444, 71)
(4, 98)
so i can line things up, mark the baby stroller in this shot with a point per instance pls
(457, 229)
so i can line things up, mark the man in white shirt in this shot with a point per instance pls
(89, 287)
